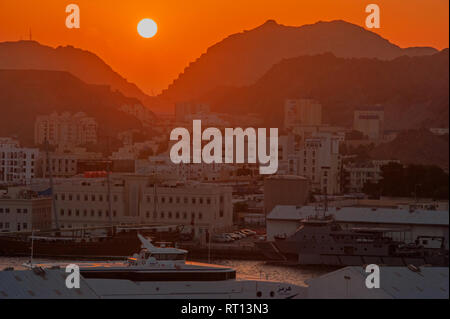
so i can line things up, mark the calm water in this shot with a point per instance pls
(245, 269)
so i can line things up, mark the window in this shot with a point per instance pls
(93, 198)
(177, 215)
(208, 201)
(221, 213)
(61, 212)
(200, 215)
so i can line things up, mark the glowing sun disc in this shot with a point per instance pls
(147, 28)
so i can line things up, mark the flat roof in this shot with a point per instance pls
(365, 215)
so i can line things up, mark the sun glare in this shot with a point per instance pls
(147, 28)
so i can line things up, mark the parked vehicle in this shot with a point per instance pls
(222, 238)
(241, 235)
(234, 236)
(248, 232)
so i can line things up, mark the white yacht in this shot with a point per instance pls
(163, 272)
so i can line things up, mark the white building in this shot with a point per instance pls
(370, 122)
(65, 129)
(17, 164)
(20, 210)
(136, 199)
(319, 160)
(64, 161)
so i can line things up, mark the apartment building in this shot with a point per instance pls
(82, 202)
(17, 164)
(319, 160)
(65, 129)
(370, 122)
(21, 210)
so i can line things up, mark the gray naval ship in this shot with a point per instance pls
(320, 240)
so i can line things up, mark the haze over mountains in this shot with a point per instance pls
(25, 94)
(340, 64)
(243, 58)
(88, 67)
(413, 90)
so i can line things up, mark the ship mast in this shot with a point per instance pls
(50, 175)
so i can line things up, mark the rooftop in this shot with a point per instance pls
(365, 215)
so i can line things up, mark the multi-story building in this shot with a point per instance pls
(302, 112)
(136, 199)
(20, 210)
(17, 164)
(64, 162)
(65, 129)
(370, 122)
(359, 174)
(319, 160)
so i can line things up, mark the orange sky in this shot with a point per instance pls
(188, 28)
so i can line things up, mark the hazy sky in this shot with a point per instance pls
(188, 28)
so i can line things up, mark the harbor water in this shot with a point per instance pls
(248, 269)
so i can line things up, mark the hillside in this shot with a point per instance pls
(25, 94)
(242, 58)
(413, 90)
(85, 65)
(416, 147)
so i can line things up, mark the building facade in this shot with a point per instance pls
(17, 164)
(65, 129)
(370, 122)
(319, 160)
(24, 212)
(82, 202)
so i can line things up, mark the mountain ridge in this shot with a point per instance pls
(84, 64)
(242, 58)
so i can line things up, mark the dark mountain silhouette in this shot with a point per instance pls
(242, 58)
(85, 65)
(416, 146)
(25, 94)
(413, 90)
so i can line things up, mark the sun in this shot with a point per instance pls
(147, 28)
